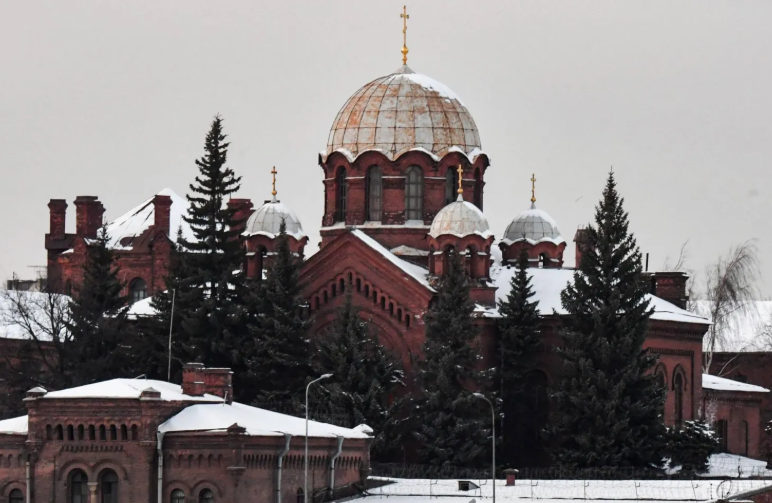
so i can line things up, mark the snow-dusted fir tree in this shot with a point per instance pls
(365, 377)
(519, 329)
(280, 363)
(608, 405)
(211, 295)
(98, 331)
(453, 426)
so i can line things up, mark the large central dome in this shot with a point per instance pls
(400, 112)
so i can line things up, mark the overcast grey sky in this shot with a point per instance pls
(113, 98)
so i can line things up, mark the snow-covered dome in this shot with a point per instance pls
(403, 111)
(460, 218)
(533, 225)
(267, 219)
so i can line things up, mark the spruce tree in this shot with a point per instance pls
(519, 332)
(280, 363)
(691, 446)
(365, 377)
(98, 331)
(212, 291)
(608, 405)
(454, 426)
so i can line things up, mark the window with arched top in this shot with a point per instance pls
(744, 437)
(451, 185)
(178, 496)
(414, 194)
(78, 487)
(477, 188)
(16, 496)
(341, 195)
(137, 290)
(206, 496)
(374, 193)
(678, 391)
(300, 496)
(108, 487)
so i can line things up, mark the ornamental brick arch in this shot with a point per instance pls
(106, 464)
(6, 489)
(76, 464)
(206, 484)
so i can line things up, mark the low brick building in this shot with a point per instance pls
(132, 440)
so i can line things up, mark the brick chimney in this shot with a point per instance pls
(162, 210)
(243, 209)
(198, 380)
(582, 240)
(670, 286)
(88, 216)
(57, 213)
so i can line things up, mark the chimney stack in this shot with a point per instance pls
(57, 214)
(670, 286)
(198, 381)
(582, 240)
(88, 216)
(243, 210)
(162, 210)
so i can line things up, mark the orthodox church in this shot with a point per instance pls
(404, 180)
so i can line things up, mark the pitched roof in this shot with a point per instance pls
(14, 426)
(721, 384)
(416, 272)
(129, 388)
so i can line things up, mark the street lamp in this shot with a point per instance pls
(305, 476)
(493, 440)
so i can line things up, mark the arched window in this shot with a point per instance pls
(178, 496)
(113, 432)
(91, 432)
(341, 195)
(678, 389)
(414, 194)
(78, 487)
(134, 432)
(16, 496)
(109, 487)
(451, 185)
(744, 437)
(68, 288)
(124, 433)
(374, 193)
(137, 290)
(299, 496)
(70, 433)
(477, 189)
(59, 432)
(102, 432)
(81, 432)
(206, 496)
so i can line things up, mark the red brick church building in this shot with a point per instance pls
(404, 175)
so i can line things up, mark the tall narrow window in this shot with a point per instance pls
(137, 290)
(678, 389)
(451, 185)
(109, 487)
(374, 193)
(744, 433)
(477, 189)
(341, 195)
(414, 194)
(722, 429)
(78, 487)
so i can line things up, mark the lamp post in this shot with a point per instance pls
(493, 440)
(305, 476)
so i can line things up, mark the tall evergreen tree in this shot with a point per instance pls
(454, 427)
(211, 294)
(281, 361)
(97, 325)
(608, 403)
(519, 329)
(365, 377)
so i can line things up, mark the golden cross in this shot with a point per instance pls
(460, 179)
(405, 16)
(273, 172)
(533, 188)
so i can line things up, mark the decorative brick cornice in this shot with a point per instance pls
(671, 351)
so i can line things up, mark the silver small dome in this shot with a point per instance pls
(266, 220)
(533, 225)
(460, 218)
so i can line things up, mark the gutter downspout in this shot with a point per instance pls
(29, 484)
(332, 464)
(159, 448)
(280, 464)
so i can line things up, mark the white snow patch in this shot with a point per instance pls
(416, 272)
(722, 384)
(129, 388)
(14, 426)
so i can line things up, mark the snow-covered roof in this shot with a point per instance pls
(130, 388)
(137, 220)
(402, 111)
(416, 272)
(36, 307)
(460, 218)
(722, 384)
(258, 422)
(267, 219)
(744, 330)
(14, 426)
(548, 283)
(533, 225)
(141, 308)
